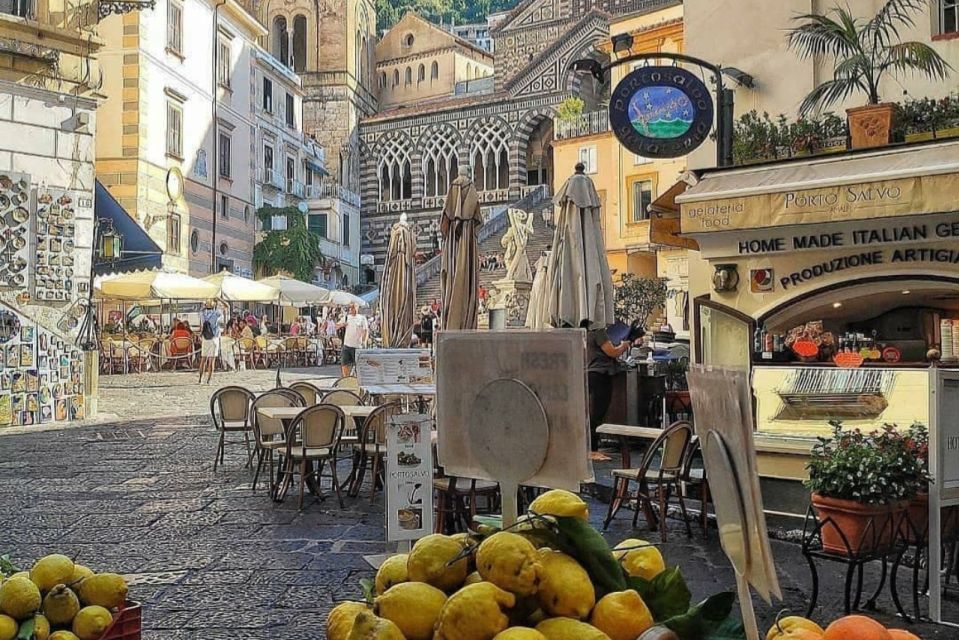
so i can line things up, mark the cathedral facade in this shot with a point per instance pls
(500, 130)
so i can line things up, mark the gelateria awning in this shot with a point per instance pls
(887, 182)
(139, 252)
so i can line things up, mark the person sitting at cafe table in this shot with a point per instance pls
(245, 330)
(295, 328)
(181, 329)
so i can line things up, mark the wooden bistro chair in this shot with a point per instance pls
(371, 449)
(246, 352)
(313, 440)
(656, 481)
(457, 502)
(309, 392)
(232, 413)
(185, 350)
(269, 434)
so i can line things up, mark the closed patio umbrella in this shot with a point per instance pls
(537, 314)
(459, 272)
(149, 285)
(580, 284)
(234, 288)
(398, 297)
(296, 293)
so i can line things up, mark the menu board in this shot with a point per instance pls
(409, 477)
(382, 367)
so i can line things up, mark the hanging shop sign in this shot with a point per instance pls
(661, 112)
(880, 232)
(860, 201)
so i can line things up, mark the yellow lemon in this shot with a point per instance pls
(392, 571)
(569, 629)
(644, 562)
(520, 633)
(509, 561)
(19, 598)
(792, 625)
(80, 572)
(61, 605)
(8, 627)
(64, 635)
(369, 627)
(104, 589)
(413, 606)
(472, 578)
(565, 588)
(49, 571)
(431, 561)
(91, 622)
(622, 615)
(41, 627)
(339, 622)
(474, 613)
(560, 503)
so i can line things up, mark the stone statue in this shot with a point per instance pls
(515, 241)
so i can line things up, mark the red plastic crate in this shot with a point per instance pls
(126, 624)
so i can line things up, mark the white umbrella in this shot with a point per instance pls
(234, 288)
(147, 285)
(345, 299)
(296, 293)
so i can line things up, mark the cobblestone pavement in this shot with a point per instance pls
(209, 559)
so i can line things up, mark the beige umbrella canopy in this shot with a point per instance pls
(580, 283)
(296, 293)
(537, 314)
(154, 285)
(345, 299)
(234, 288)
(459, 271)
(398, 294)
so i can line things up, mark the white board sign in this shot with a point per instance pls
(409, 477)
(381, 367)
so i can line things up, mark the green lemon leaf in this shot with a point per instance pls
(26, 630)
(369, 590)
(704, 618)
(666, 595)
(590, 549)
(728, 629)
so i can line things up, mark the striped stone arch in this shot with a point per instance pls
(521, 137)
(437, 141)
(486, 132)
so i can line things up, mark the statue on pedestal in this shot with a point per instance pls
(514, 241)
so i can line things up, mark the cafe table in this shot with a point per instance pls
(626, 432)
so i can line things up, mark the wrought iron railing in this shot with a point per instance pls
(588, 124)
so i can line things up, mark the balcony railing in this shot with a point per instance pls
(295, 187)
(588, 124)
(329, 189)
(273, 178)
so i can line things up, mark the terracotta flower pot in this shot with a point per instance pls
(918, 517)
(866, 527)
(871, 126)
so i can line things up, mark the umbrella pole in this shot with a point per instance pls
(279, 384)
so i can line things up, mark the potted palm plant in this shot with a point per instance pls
(863, 53)
(861, 484)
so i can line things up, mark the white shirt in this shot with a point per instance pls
(356, 328)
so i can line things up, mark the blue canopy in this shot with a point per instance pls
(139, 252)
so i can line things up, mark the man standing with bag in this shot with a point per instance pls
(356, 332)
(211, 321)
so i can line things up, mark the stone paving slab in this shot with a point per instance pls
(210, 559)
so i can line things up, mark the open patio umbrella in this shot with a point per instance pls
(149, 285)
(234, 288)
(345, 299)
(296, 293)
(398, 297)
(459, 272)
(580, 284)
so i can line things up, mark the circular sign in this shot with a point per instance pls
(661, 112)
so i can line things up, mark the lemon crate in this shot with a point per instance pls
(126, 624)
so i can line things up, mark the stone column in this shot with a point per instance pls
(513, 296)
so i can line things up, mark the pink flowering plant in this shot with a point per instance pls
(879, 467)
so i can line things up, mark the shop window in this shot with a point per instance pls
(174, 27)
(948, 16)
(174, 129)
(724, 338)
(173, 234)
(642, 197)
(587, 156)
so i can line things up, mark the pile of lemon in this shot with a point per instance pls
(59, 600)
(507, 588)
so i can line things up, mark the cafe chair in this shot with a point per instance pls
(246, 352)
(343, 398)
(310, 393)
(695, 482)
(268, 433)
(371, 450)
(457, 502)
(312, 442)
(659, 476)
(230, 408)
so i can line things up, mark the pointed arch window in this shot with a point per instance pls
(435, 71)
(409, 75)
(490, 157)
(396, 77)
(421, 74)
(440, 164)
(395, 172)
(299, 43)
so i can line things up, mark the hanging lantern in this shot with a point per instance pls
(111, 242)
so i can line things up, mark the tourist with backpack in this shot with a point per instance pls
(211, 320)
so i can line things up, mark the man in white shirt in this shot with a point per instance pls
(357, 332)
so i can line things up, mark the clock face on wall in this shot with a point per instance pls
(661, 112)
(174, 184)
